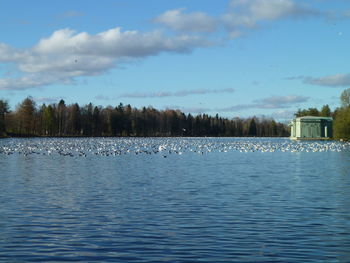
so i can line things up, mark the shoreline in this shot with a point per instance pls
(161, 136)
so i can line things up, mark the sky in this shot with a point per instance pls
(231, 57)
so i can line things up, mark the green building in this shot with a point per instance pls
(310, 127)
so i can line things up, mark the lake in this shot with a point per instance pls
(174, 200)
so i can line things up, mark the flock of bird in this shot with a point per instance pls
(82, 147)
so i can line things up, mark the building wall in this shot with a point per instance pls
(298, 129)
(310, 130)
(293, 128)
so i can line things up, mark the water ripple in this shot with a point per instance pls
(221, 205)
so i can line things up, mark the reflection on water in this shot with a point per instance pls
(215, 206)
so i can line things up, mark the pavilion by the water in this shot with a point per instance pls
(310, 127)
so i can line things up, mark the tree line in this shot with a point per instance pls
(341, 115)
(73, 120)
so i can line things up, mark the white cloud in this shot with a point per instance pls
(278, 103)
(281, 101)
(27, 82)
(273, 9)
(116, 43)
(191, 22)
(66, 54)
(338, 80)
(181, 93)
(163, 94)
(241, 16)
(248, 13)
(9, 54)
(273, 102)
(48, 99)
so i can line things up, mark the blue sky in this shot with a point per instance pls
(235, 58)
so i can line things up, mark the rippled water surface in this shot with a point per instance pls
(174, 200)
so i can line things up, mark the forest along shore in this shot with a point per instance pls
(61, 120)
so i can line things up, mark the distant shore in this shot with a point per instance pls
(82, 136)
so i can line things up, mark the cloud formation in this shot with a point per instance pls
(48, 99)
(273, 102)
(181, 93)
(241, 15)
(245, 14)
(338, 80)
(67, 54)
(165, 94)
(279, 103)
(191, 22)
(271, 9)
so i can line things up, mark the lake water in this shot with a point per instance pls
(174, 200)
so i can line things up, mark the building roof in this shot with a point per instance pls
(315, 118)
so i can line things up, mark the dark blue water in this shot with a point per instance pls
(215, 206)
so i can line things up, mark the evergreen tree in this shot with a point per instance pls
(74, 120)
(325, 111)
(96, 122)
(62, 117)
(25, 116)
(49, 121)
(4, 109)
(252, 127)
